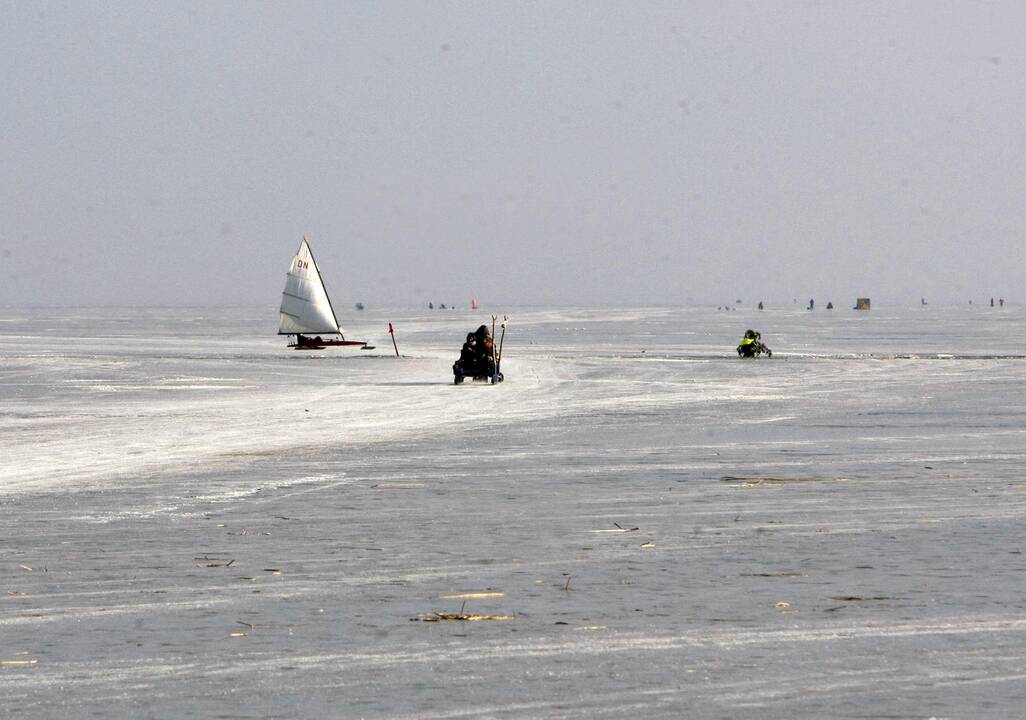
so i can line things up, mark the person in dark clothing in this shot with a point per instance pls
(469, 356)
(485, 346)
(484, 340)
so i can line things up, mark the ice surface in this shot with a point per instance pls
(197, 522)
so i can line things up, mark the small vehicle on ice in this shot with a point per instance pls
(479, 358)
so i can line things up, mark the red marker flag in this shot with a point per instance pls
(391, 331)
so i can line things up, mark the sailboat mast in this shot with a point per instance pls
(318, 267)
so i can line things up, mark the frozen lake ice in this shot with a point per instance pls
(197, 522)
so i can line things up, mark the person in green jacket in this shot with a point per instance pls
(751, 345)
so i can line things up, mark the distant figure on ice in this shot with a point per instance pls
(760, 304)
(751, 345)
(830, 306)
(992, 302)
(1001, 302)
(812, 304)
(922, 301)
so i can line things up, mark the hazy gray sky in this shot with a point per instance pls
(570, 152)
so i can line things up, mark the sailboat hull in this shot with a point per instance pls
(310, 344)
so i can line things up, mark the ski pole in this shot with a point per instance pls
(502, 338)
(498, 358)
(494, 358)
(391, 331)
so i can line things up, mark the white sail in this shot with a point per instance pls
(305, 307)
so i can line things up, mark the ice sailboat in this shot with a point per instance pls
(306, 310)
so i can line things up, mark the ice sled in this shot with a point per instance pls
(480, 359)
(475, 371)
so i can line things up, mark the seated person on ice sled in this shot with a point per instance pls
(484, 341)
(751, 345)
(476, 359)
(469, 351)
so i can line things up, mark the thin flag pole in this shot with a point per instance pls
(391, 331)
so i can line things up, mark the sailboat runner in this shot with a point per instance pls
(306, 308)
